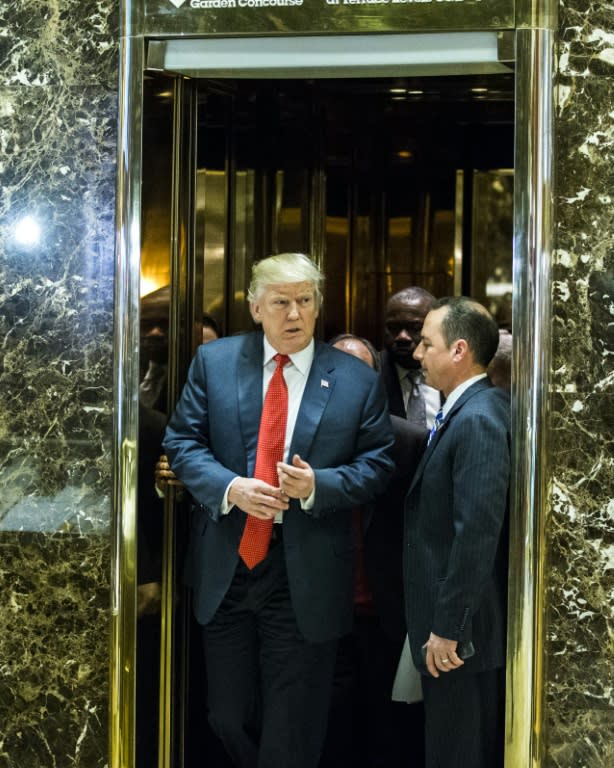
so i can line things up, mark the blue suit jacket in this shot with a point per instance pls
(342, 430)
(455, 549)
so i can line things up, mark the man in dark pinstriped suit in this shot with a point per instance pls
(455, 549)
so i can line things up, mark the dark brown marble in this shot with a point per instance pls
(579, 705)
(58, 114)
(59, 43)
(53, 702)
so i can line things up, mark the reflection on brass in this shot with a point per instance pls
(211, 234)
(126, 382)
(459, 202)
(533, 233)
(492, 240)
(250, 17)
(183, 335)
(537, 14)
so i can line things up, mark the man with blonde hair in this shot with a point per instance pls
(277, 437)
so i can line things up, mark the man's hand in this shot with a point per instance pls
(297, 480)
(441, 655)
(148, 598)
(165, 475)
(257, 498)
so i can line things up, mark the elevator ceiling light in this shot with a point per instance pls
(394, 55)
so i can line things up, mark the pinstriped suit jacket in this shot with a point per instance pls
(455, 541)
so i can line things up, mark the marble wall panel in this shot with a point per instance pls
(53, 650)
(58, 115)
(59, 43)
(56, 305)
(586, 37)
(579, 706)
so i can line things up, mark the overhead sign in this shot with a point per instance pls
(287, 17)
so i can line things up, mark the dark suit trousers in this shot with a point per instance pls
(464, 719)
(366, 728)
(268, 688)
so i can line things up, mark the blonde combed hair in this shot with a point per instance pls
(284, 268)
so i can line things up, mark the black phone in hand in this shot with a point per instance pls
(465, 650)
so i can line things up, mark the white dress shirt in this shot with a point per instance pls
(295, 374)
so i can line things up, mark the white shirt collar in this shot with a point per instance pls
(301, 360)
(458, 391)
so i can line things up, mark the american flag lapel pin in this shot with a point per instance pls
(324, 383)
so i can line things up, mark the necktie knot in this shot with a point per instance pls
(415, 379)
(281, 360)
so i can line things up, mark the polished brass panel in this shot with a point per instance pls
(211, 227)
(126, 385)
(536, 14)
(184, 335)
(284, 17)
(459, 206)
(155, 268)
(492, 242)
(533, 235)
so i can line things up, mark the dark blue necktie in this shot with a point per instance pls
(436, 424)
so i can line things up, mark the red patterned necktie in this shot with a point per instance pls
(271, 440)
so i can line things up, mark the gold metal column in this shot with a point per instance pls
(185, 306)
(533, 234)
(126, 384)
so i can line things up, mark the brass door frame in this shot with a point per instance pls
(531, 373)
(533, 231)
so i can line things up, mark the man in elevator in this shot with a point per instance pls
(408, 395)
(455, 549)
(277, 437)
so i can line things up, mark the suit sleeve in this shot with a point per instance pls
(480, 476)
(368, 473)
(186, 443)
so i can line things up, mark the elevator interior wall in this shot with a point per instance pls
(363, 175)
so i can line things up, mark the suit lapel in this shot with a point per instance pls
(318, 389)
(467, 395)
(249, 394)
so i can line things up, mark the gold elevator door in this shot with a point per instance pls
(385, 182)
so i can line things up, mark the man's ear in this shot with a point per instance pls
(254, 308)
(460, 349)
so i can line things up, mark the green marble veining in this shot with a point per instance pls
(579, 697)
(58, 114)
